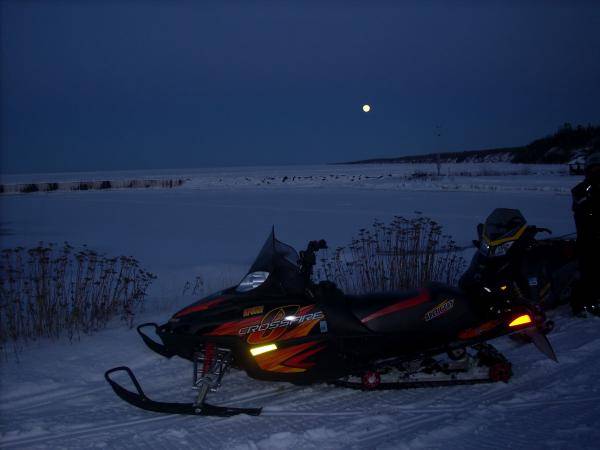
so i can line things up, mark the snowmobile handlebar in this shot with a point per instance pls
(308, 258)
(315, 246)
(535, 230)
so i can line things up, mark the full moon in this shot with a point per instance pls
(366, 108)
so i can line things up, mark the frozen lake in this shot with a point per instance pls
(201, 229)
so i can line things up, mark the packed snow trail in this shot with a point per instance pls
(544, 404)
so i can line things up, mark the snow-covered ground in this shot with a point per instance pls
(56, 397)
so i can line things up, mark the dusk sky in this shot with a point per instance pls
(105, 85)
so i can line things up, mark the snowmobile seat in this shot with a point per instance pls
(374, 310)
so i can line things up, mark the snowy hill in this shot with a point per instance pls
(504, 155)
(558, 148)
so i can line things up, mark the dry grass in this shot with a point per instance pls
(404, 254)
(50, 291)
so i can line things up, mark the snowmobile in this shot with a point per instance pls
(277, 325)
(511, 263)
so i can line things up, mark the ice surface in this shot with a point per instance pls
(55, 397)
(215, 229)
(467, 176)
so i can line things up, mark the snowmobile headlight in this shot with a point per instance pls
(264, 349)
(252, 281)
(484, 248)
(500, 250)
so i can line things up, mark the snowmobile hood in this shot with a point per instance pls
(204, 304)
(275, 269)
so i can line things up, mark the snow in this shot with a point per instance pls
(55, 396)
(462, 177)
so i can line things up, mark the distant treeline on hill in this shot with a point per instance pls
(28, 188)
(565, 144)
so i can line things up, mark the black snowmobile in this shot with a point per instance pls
(511, 264)
(278, 325)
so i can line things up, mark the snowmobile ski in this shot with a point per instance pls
(142, 401)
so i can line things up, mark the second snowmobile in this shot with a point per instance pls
(512, 263)
(278, 325)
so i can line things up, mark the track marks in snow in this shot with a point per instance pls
(48, 398)
(547, 403)
(94, 429)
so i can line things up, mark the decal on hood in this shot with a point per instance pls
(253, 311)
(440, 309)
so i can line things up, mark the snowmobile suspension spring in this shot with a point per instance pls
(209, 357)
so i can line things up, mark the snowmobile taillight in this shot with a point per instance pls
(501, 371)
(263, 349)
(521, 320)
(371, 380)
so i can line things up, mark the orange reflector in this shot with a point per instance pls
(521, 320)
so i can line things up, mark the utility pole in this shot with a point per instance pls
(438, 158)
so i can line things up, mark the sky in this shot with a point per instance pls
(108, 85)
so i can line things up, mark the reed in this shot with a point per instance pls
(51, 291)
(403, 254)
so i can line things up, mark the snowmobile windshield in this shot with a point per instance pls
(503, 225)
(502, 228)
(275, 261)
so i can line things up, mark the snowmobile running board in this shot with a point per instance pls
(140, 400)
(411, 384)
